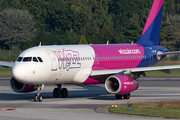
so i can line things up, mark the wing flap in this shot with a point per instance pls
(105, 72)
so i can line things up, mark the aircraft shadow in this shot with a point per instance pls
(86, 91)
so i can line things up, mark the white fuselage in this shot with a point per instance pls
(60, 64)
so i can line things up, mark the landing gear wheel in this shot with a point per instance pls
(40, 98)
(56, 93)
(64, 93)
(127, 96)
(35, 98)
(118, 96)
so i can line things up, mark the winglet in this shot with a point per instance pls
(151, 32)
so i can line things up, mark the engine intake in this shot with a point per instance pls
(120, 84)
(16, 86)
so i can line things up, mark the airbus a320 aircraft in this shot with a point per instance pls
(116, 65)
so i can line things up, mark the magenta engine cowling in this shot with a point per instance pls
(20, 87)
(120, 84)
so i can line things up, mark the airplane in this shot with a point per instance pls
(116, 65)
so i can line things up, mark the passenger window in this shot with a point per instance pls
(40, 60)
(19, 59)
(35, 59)
(27, 59)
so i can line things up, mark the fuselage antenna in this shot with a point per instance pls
(40, 44)
(107, 42)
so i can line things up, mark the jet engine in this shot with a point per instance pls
(21, 87)
(120, 84)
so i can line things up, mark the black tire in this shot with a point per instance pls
(64, 93)
(56, 93)
(118, 96)
(40, 98)
(35, 98)
(127, 96)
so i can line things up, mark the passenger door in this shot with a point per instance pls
(53, 60)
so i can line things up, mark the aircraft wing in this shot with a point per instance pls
(131, 70)
(6, 64)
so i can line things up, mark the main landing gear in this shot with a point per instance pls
(38, 97)
(126, 96)
(58, 91)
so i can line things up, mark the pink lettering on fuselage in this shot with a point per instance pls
(68, 59)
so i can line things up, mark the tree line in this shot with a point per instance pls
(60, 22)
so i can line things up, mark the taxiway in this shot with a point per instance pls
(82, 100)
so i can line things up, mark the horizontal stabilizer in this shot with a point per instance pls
(160, 54)
(167, 53)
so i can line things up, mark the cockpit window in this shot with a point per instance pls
(27, 59)
(35, 59)
(40, 60)
(19, 59)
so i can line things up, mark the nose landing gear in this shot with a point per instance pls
(58, 91)
(38, 97)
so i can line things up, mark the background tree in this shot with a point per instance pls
(83, 40)
(15, 26)
(103, 36)
(171, 28)
(64, 21)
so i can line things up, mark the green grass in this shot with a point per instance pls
(161, 109)
(5, 71)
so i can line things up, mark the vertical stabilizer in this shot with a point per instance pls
(151, 32)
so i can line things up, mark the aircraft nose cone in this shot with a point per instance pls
(19, 73)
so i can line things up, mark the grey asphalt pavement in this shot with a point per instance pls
(82, 101)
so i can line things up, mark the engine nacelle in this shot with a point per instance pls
(120, 84)
(20, 87)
